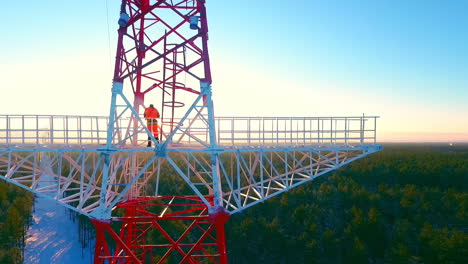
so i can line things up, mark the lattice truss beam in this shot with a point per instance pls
(252, 176)
(74, 178)
(247, 176)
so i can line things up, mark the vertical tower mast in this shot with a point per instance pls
(162, 55)
(162, 52)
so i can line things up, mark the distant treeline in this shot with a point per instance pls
(406, 204)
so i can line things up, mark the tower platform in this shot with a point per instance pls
(59, 157)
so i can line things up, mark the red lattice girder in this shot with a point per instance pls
(167, 229)
(158, 50)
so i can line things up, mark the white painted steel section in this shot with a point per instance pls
(94, 163)
(92, 182)
(57, 130)
(32, 130)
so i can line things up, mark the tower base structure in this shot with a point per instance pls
(165, 229)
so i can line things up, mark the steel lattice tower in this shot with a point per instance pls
(101, 167)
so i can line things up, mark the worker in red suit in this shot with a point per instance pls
(151, 115)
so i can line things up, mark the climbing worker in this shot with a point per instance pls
(151, 115)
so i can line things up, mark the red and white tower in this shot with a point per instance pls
(102, 168)
(162, 53)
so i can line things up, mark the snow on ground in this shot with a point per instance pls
(53, 236)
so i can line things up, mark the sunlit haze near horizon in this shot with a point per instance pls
(405, 61)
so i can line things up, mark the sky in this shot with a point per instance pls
(405, 61)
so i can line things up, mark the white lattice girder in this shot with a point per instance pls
(247, 175)
(129, 129)
(74, 178)
(252, 175)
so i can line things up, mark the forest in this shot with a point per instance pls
(406, 204)
(15, 217)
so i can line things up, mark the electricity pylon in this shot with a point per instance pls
(101, 167)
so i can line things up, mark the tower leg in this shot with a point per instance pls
(101, 247)
(221, 239)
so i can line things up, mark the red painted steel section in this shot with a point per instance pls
(166, 229)
(102, 254)
(152, 40)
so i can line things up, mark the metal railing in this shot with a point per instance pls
(230, 131)
(52, 130)
(296, 130)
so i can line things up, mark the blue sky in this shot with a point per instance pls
(406, 61)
